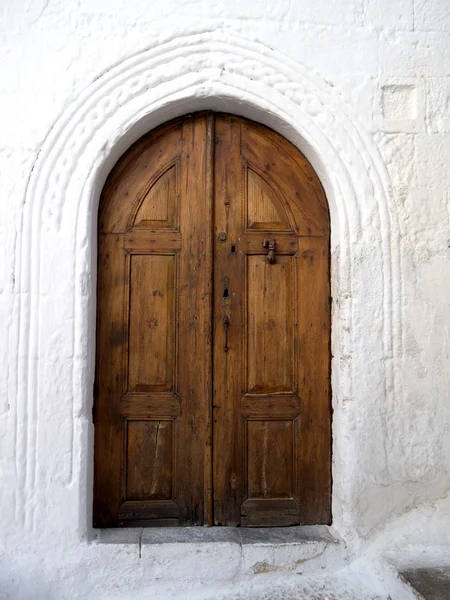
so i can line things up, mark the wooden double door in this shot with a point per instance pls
(212, 393)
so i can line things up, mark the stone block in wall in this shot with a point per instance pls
(438, 103)
(339, 12)
(414, 54)
(387, 14)
(398, 153)
(8, 511)
(432, 15)
(333, 12)
(54, 432)
(326, 51)
(401, 105)
(423, 221)
(358, 92)
(433, 156)
(7, 447)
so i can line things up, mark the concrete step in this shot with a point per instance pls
(285, 563)
(246, 552)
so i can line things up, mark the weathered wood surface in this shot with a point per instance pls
(212, 394)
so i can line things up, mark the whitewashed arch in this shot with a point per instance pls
(58, 252)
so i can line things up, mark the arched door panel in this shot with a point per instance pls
(271, 388)
(212, 377)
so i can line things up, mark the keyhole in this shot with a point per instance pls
(233, 248)
(225, 293)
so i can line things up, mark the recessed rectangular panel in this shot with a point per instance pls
(270, 459)
(151, 355)
(149, 460)
(270, 324)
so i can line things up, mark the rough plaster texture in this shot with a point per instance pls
(362, 87)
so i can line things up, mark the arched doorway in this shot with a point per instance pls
(212, 396)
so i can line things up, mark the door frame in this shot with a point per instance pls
(65, 186)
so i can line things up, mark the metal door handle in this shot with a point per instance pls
(269, 243)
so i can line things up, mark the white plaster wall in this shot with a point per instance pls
(363, 88)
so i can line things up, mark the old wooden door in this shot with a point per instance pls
(212, 395)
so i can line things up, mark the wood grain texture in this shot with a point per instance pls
(229, 448)
(194, 323)
(269, 512)
(264, 209)
(149, 460)
(270, 324)
(110, 383)
(212, 393)
(154, 303)
(135, 174)
(270, 406)
(158, 206)
(270, 459)
(149, 513)
(264, 188)
(160, 405)
(151, 345)
(208, 465)
(314, 424)
(289, 172)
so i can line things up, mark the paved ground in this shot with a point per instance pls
(431, 583)
(346, 584)
(309, 591)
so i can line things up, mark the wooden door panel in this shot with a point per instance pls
(212, 393)
(111, 336)
(314, 460)
(158, 207)
(271, 386)
(149, 460)
(229, 453)
(192, 429)
(151, 349)
(270, 307)
(151, 450)
(136, 173)
(288, 172)
(270, 459)
(149, 513)
(264, 209)
(270, 512)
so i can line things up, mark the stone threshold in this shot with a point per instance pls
(267, 536)
(229, 553)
